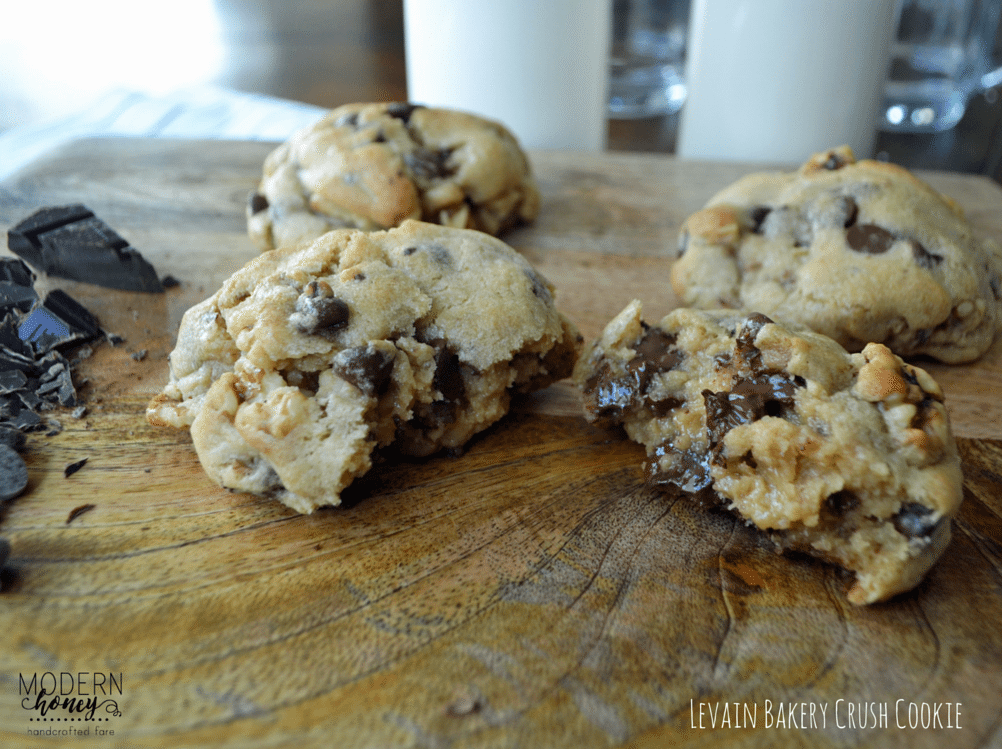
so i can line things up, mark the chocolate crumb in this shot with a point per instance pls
(139, 355)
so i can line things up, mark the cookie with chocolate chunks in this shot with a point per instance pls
(848, 457)
(860, 251)
(313, 357)
(372, 166)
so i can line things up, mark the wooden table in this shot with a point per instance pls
(530, 594)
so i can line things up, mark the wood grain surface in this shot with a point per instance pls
(531, 593)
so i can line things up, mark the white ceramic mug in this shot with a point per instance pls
(773, 80)
(539, 68)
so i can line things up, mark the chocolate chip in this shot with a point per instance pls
(924, 258)
(833, 162)
(915, 521)
(366, 367)
(258, 202)
(16, 286)
(841, 502)
(319, 312)
(758, 214)
(349, 120)
(402, 110)
(380, 137)
(13, 474)
(869, 238)
(448, 378)
(71, 242)
(427, 164)
(409, 251)
(539, 287)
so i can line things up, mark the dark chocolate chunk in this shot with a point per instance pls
(71, 242)
(12, 438)
(608, 397)
(257, 202)
(12, 380)
(841, 502)
(169, 282)
(74, 467)
(745, 348)
(539, 287)
(749, 400)
(689, 470)
(428, 164)
(869, 238)
(448, 378)
(319, 312)
(758, 214)
(16, 286)
(915, 521)
(78, 511)
(367, 368)
(59, 320)
(402, 110)
(833, 162)
(13, 474)
(924, 258)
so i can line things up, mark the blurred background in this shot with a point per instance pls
(69, 62)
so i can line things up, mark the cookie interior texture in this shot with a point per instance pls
(373, 166)
(312, 357)
(860, 251)
(848, 457)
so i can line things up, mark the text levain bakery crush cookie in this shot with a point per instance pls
(312, 357)
(860, 251)
(372, 166)
(848, 457)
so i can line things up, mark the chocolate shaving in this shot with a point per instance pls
(78, 511)
(74, 467)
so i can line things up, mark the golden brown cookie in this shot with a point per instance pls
(314, 356)
(860, 251)
(848, 457)
(372, 166)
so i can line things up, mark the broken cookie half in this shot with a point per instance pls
(848, 457)
(313, 357)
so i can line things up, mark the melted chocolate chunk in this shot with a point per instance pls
(428, 164)
(749, 400)
(869, 238)
(924, 258)
(758, 215)
(319, 312)
(367, 368)
(915, 521)
(688, 471)
(402, 110)
(744, 347)
(258, 202)
(608, 397)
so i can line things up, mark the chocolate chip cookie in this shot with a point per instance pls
(372, 166)
(860, 251)
(314, 356)
(848, 457)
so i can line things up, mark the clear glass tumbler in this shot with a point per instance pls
(942, 55)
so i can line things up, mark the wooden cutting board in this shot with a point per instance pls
(532, 593)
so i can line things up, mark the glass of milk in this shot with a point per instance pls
(541, 68)
(775, 81)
